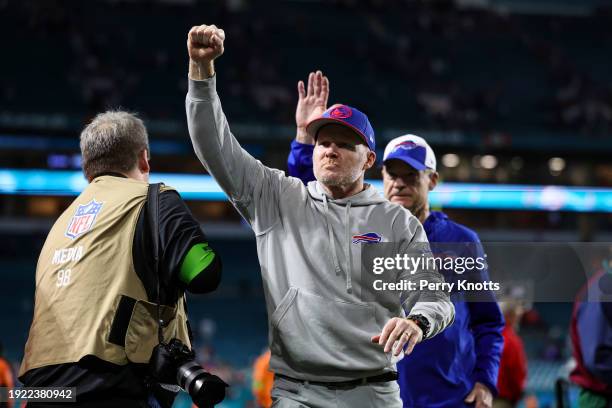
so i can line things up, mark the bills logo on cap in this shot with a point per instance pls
(341, 112)
(407, 145)
(369, 238)
(83, 219)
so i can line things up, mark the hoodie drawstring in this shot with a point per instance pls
(349, 284)
(347, 223)
(331, 237)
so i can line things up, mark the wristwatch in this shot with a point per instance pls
(422, 322)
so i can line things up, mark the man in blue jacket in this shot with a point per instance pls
(459, 367)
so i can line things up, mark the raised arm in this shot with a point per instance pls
(251, 187)
(312, 102)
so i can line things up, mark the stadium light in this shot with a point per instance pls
(450, 160)
(556, 165)
(448, 195)
(488, 162)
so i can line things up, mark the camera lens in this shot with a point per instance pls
(188, 375)
(205, 389)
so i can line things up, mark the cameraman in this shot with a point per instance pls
(95, 322)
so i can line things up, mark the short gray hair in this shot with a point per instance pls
(112, 142)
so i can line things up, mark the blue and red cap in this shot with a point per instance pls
(347, 116)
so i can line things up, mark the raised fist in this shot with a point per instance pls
(205, 43)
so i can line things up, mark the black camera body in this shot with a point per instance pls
(173, 363)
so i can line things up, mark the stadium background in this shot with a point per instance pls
(508, 92)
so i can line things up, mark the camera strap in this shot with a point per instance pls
(153, 215)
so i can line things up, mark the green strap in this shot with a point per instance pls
(197, 259)
(590, 399)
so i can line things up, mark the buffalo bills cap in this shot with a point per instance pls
(346, 116)
(412, 150)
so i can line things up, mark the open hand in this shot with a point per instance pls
(312, 102)
(403, 331)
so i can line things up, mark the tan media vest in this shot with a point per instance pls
(89, 299)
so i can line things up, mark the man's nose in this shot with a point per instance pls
(331, 150)
(399, 183)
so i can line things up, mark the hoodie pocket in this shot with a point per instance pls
(322, 336)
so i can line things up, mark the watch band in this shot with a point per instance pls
(422, 322)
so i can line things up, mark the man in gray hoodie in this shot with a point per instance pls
(330, 346)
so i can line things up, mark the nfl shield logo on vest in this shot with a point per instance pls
(83, 219)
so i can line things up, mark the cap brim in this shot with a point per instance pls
(408, 160)
(314, 125)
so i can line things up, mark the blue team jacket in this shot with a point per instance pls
(442, 371)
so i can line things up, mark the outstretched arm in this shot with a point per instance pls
(433, 305)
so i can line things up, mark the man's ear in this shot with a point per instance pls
(370, 160)
(143, 162)
(434, 177)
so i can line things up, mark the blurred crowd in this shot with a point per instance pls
(427, 64)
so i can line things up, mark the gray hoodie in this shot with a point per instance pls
(319, 324)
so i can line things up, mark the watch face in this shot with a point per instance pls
(422, 322)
